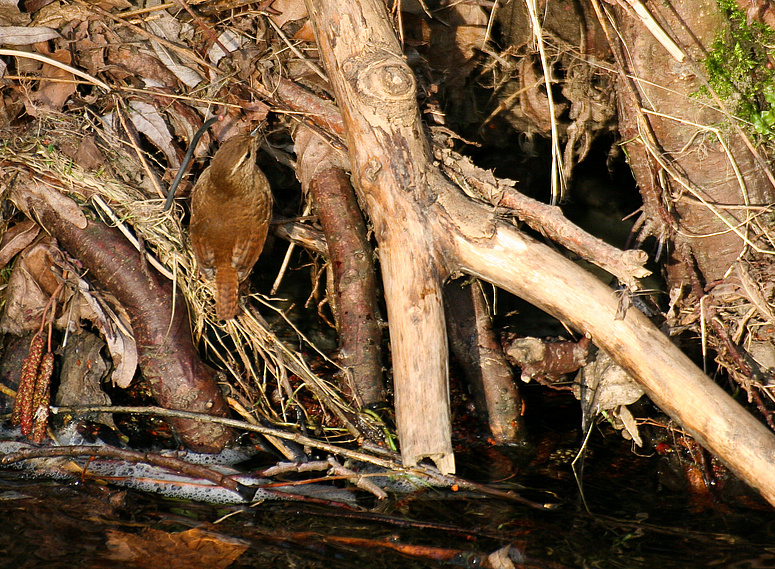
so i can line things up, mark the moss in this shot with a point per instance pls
(740, 71)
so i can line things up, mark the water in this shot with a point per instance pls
(637, 523)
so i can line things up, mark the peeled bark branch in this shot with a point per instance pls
(541, 276)
(376, 93)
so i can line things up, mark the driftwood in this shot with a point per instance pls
(427, 230)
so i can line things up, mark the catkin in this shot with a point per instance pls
(40, 398)
(22, 408)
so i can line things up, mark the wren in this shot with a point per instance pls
(231, 206)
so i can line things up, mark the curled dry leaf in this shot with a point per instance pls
(117, 332)
(16, 239)
(606, 386)
(57, 14)
(290, 10)
(171, 29)
(148, 121)
(36, 191)
(128, 63)
(29, 287)
(88, 155)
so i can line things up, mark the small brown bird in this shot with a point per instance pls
(231, 206)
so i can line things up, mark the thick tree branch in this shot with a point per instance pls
(176, 375)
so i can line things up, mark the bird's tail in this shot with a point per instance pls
(226, 293)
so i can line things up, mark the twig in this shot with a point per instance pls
(428, 475)
(42, 58)
(297, 438)
(107, 451)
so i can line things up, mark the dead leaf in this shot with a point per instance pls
(191, 549)
(88, 156)
(148, 121)
(25, 193)
(305, 33)
(169, 28)
(290, 10)
(16, 239)
(604, 386)
(607, 385)
(130, 64)
(56, 14)
(32, 6)
(23, 35)
(30, 287)
(116, 330)
(91, 53)
(52, 95)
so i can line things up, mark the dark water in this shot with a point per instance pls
(637, 523)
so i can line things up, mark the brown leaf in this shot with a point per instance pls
(305, 33)
(52, 95)
(91, 53)
(33, 6)
(148, 121)
(116, 330)
(55, 15)
(29, 288)
(191, 549)
(88, 156)
(31, 192)
(139, 64)
(16, 239)
(290, 10)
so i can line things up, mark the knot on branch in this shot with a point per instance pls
(381, 78)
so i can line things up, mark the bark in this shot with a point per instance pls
(712, 176)
(426, 229)
(177, 377)
(351, 261)
(479, 352)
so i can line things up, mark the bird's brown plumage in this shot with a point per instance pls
(231, 206)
